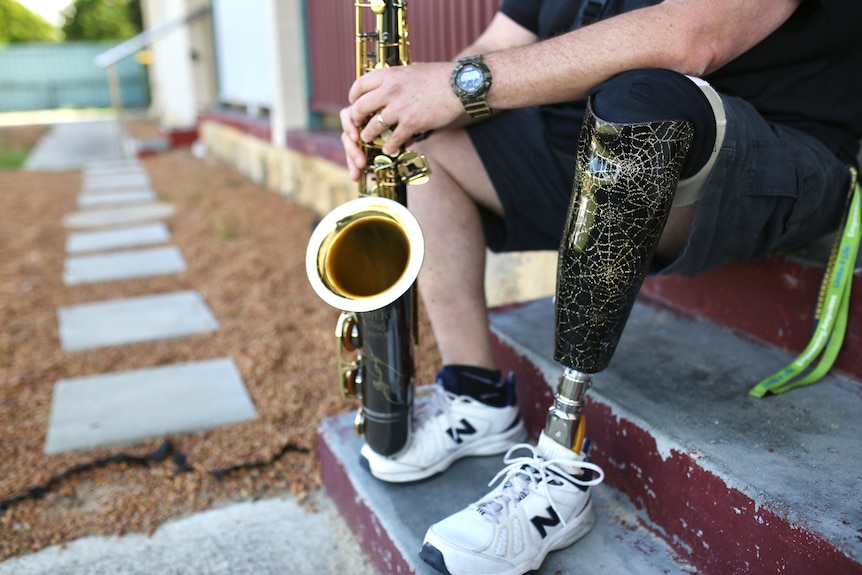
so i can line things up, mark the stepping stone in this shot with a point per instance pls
(129, 237)
(128, 172)
(114, 198)
(133, 320)
(96, 172)
(133, 180)
(114, 164)
(123, 265)
(131, 406)
(119, 216)
(97, 192)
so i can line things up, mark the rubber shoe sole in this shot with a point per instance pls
(488, 446)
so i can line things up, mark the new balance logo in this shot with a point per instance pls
(540, 522)
(456, 432)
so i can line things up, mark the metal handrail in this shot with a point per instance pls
(147, 37)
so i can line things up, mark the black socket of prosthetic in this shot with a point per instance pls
(624, 184)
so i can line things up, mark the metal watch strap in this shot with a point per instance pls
(478, 109)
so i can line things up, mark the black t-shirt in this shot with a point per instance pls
(807, 74)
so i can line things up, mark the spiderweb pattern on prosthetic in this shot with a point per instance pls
(624, 185)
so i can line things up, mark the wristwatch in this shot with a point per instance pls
(471, 80)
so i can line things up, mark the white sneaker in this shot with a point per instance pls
(447, 427)
(542, 505)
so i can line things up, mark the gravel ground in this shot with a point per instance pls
(245, 250)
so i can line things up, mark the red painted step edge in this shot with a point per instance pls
(363, 522)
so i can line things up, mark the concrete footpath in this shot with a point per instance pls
(272, 536)
(267, 537)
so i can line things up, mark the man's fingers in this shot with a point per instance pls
(353, 154)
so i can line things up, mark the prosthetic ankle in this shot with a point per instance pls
(566, 423)
(624, 186)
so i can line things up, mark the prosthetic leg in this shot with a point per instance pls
(624, 186)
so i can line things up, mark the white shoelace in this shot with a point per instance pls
(436, 404)
(522, 472)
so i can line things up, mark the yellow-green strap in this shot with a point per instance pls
(832, 310)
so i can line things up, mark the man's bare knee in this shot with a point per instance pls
(451, 153)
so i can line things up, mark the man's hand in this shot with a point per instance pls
(407, 100)
(349, 138)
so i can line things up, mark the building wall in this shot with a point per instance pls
(290, 110)
(245, 53)
(182, 69)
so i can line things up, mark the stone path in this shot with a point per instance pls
(119, 235)
(267, 537)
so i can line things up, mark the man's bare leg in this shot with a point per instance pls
(452, 281)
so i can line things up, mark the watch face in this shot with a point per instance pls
(470, 78)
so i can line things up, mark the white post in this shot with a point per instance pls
(289, 88)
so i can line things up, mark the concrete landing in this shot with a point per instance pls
(266, 537)
(96, 218)
(75, 145)
(130, 406)
(124, 265)
(128, 237)
(133, 320)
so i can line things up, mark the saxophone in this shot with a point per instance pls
(364, 256)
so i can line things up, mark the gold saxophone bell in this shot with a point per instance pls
(365, 254)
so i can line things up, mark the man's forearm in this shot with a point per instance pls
(690, 36)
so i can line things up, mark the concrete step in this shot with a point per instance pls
(701, 477)
(390, 520)
(772, 300)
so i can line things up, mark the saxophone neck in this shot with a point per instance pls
(383, 43)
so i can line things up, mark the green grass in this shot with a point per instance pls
(12, 158)
(226, 230)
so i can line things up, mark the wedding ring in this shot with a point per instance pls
(382, 121)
